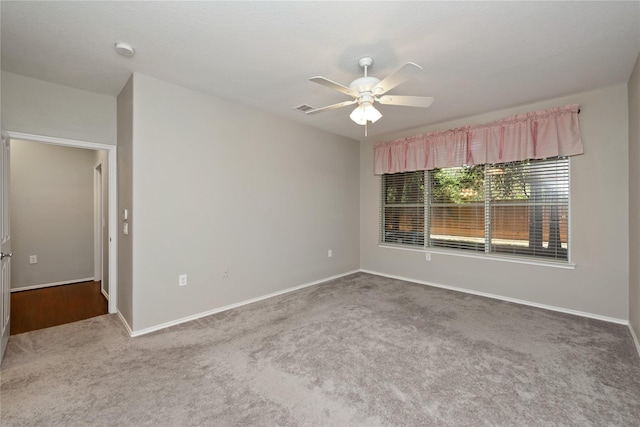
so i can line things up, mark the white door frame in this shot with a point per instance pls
(97, 222)
(113, 200)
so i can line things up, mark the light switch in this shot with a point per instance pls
(125, 214)
(125, 228)
(182, 280)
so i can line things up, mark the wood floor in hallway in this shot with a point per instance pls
(56, 305)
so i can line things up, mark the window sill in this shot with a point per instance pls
(517, 260)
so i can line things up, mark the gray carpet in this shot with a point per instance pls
(361, 350)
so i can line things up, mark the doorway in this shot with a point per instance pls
(56, 210)
(105, 172)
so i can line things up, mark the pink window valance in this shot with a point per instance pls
(535, 135)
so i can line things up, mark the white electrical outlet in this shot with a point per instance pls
(427, 256)
(33, 259)
(329, 253)
(182, 280)
(225, 273)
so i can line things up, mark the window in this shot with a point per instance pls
(518, 208)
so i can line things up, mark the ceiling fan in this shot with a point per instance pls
(368, 89)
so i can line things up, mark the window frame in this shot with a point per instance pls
(487, 253)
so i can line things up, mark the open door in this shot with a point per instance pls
(98, 228)
(5, 247)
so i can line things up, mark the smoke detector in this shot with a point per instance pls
(124, 49)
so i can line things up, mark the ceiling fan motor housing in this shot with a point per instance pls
(365, 98)
(364, 86)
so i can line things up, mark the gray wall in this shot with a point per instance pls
(42, 108)
(217, 185)
(599, 221)
(125, 200)
(634, 199)
(51, 213)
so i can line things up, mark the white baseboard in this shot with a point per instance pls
(48, 285)
(125, 323)
(503, 298)
(635, 338)
(229, 307)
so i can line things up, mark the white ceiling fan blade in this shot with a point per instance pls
(407, 101)
(401, 75)
(333, 85)
(331, 107)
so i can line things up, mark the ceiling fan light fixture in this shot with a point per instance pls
(357, 115)
(365, 112)
(371, 113)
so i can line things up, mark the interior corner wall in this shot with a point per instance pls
(42, 108)
(634, 199)
(125, 201)
(51, 214)
(222, 187)
(599, 221)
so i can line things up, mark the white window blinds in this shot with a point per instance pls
(403, 212)
(517, 208)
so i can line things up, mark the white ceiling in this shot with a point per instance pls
(477, 56)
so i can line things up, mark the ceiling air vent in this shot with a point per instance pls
(304, 108)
